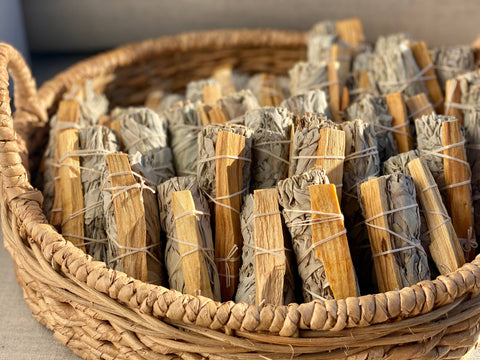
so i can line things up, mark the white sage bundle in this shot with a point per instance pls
(143, 131)
(237, 104)
(267, 89)
(398, 209)
(184, 123)
(395, 70)
(305, 76)
(391, 42)
(160, 101)
(305, 142)
(95, 143)
(194, 89)
(246, 286)
(294, 197)
(450, 61)
(314, 101)
(271, 145)
(361, 162)
(173, 256)
(362, 77)
(374, 110)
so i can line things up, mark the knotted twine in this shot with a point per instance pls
(294, 197)
(167, 221)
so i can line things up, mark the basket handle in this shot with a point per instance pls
(14, 174)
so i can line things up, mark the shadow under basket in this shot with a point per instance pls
(101, 313)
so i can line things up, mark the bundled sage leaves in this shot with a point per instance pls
(361, 162)
(374, 110)
(305, 76)
(450, 61)
(237, 104)
(160, 101)
(403, 218)
(305, 142)
(246, 286)
(143, 131)
(95, 143)
(314, 101)
(271, 145)
(194, 90)
(294, 197)
(167, 221)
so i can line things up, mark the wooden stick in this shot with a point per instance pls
(270, 267)
(194, 267)
(334, 253)
(445, 248)
(453, 94)
(223, 75)
(342, 55)
(68, 112)
(212, 114)
(345, 99)
(334, 90)
(418, 105)
(398, 110)
(71, 186)
(270, 92)
(129, 216)
(228, 174)
(331, 149)
(388, 273)
(115, 126)
(456, 172)
(350, 31)
(364, 80)
(422, 57)
(105, 120)
(211, 93)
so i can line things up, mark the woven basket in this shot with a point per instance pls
(101, 313)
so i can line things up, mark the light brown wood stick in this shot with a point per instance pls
(457, 172)
(334, 90)
(398, 110)
(342, 55)
(211, 93)
(223, 75)
(364, 80)
(422, 57)
(68, 112)
(418, 105)
(445, 248)
(71, 186)
(105, 120)
(350, 31)
(330, 150)
(212, 114)
(228, 238)
(129, 216)
(453, 95)
(334, 253)
(115, 126)
(388, 273)
(271, 93)
(270, 267)
(194, 267)
(345, 99)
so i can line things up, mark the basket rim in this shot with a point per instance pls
(24, 201)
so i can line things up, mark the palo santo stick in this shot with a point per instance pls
(129, 216)
(212, 114)
(388, 273)
(334, 251)
(71, 186)
(270, 259)
(350, 31)
(444, 247)
(228, 238)
(364, 80)
(398, 110)
(423, 60)
(453, 95)
(330, 156)
(115, 126)
(68, 112)
(194, 267)
(270, 93)
(418, 105)
(223, 74)
(334, 90)
(345, 99)
(342, 55)
(211, 93)
(104, 120)
(457, 181)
